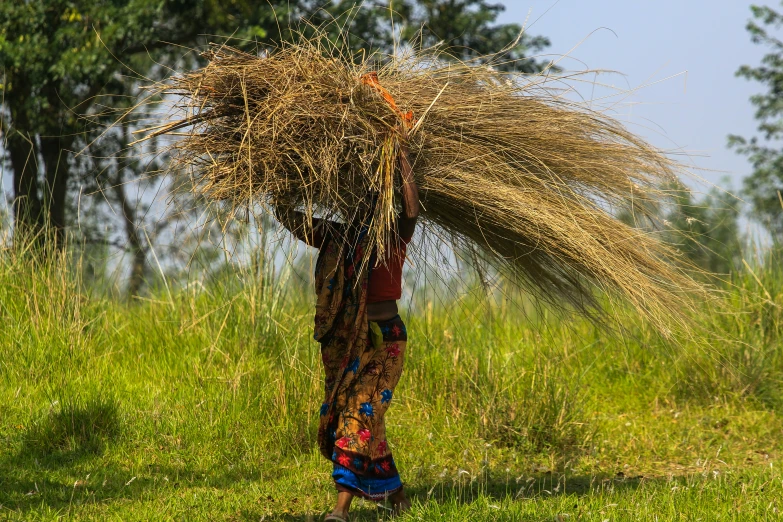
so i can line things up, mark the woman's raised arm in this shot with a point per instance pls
(406, 223)
(297, 223)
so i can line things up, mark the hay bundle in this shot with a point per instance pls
(521, 177)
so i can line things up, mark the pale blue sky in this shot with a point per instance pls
(652, 40)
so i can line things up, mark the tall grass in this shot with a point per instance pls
(745, 352)
(218, 384)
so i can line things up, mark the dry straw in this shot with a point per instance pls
(508, 169)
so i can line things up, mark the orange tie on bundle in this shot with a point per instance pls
(371, 79)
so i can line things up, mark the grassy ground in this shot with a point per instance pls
(201, 404)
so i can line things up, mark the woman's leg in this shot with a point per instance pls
(353, 432)
(362, 457)
(343, 504)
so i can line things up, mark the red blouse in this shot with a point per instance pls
(385, 282)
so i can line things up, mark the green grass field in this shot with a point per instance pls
(201, 404)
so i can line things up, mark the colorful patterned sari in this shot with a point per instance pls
(363, 362)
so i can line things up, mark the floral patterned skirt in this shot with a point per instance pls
(352, 433)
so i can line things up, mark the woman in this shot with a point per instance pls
(362, 347)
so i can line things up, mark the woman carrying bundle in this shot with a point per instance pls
(362, 341)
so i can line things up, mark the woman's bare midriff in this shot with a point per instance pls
(381, 311)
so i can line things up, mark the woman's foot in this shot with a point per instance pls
(340, 512)
(337, 516)
(400, 503)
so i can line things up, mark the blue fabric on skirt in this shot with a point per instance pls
(372, 488)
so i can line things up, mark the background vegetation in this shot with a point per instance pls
(202, 403)
(70, 69)
(196, 399)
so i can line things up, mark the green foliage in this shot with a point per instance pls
(57, 56)
(76, 48)
(707, 230)
(467, 29)
(71, 68)
(765, 185)
(464, 29)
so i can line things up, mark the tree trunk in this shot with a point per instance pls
(28, 207)
(20, 143)
(57, 173)
(134, 240)
(39, 206)
(135, 243)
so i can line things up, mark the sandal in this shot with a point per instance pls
(335, 518)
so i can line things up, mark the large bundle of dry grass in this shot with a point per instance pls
(508, 169)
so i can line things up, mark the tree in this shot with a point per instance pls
(463, 29)
(765, 185)
(467, 29)
(64, 62)
(706, 231)
(57, 56)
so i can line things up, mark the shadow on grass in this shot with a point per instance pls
(73, 429)
(70, 434)
(26, 485)
(543, 486)
(69, 441)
